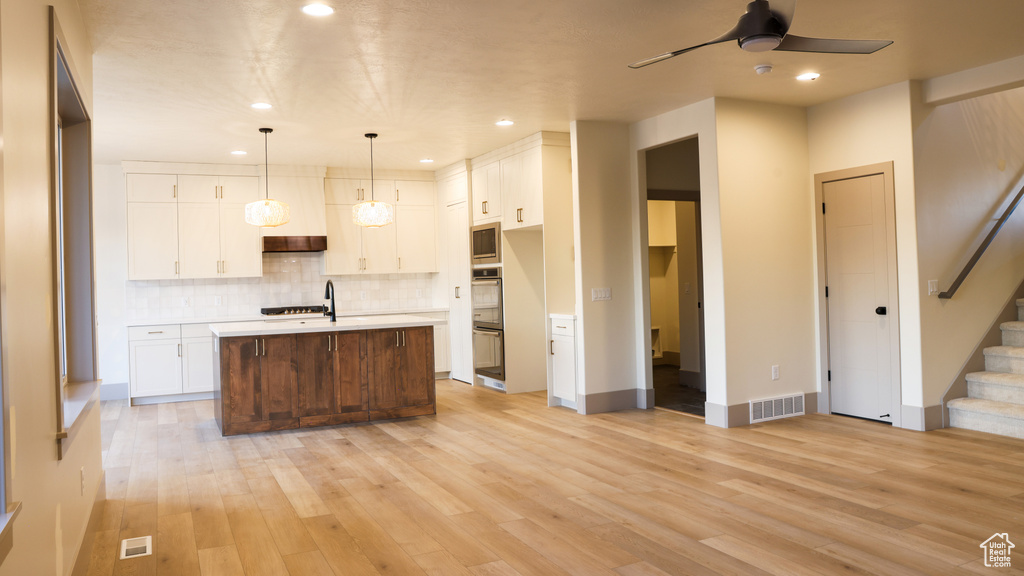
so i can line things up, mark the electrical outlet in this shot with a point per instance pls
(82, 471)
(218, 300)
(775, 371)
(419, 293)
(362, 294)
(933, 287)
(186, 301)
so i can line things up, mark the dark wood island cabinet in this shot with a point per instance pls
(319, 378)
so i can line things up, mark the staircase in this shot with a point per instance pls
(995, 398)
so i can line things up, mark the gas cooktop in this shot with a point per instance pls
(293, 310)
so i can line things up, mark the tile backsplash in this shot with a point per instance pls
(289, 279)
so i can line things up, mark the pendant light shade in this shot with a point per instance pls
(268, 212)
(373, 214)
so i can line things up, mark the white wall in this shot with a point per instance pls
(605, 257)
(766, 225)
(111, 244)
(969, 162)
(871, 128)
(55, 512)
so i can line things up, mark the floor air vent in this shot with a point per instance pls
(775, 408)
(135, 547)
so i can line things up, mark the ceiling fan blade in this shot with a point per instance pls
(783, 11)
(730, 35)
(791, 43)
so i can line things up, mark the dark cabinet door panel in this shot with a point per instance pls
(279, 377)
(314, 361)
(240, 370)
(350, 372)
(384, 346)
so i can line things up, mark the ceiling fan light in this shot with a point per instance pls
(267, 213)
(373, 214)
(760, 42)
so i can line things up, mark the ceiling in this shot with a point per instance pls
(173, 81)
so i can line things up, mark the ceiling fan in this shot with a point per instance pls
(762, 29)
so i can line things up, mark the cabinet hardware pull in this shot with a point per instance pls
(328, 342)
(264, 346)
(335, 342)
(403, 337)
(562, 327)
(174, 192)
(396, 338)
(457, 292)
(483, 206)
(157, 332)
(257, 340)
(552, 346)
(399, 262)
(179, 350)
(176, 268)
(396, 194)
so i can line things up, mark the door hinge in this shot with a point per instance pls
(822, 207)
(829, 375)
(826, 291)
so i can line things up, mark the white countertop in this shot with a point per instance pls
(260, 317)
(367, 322)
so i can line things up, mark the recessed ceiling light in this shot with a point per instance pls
(262, 106)
(808, 76)
(426, 161)
(318, 10)
(239, 152)
(504, 122)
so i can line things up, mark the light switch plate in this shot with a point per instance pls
(933, 287)
(775, 371)
(600, 294)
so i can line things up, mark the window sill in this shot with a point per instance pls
(7, 529)
(79, 397)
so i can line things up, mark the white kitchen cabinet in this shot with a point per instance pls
(305, 198)
(152, 187)
(196, 358)
(353, 191)
(154, 357)
(522, 189)
(460, 307)
(452, 190)
(241, 251)
(218, 189)
(563, 359)
(414, 193)
(199, 240)
(344, 254)
(152, 240)
(416, 232)
(380, 249)
(487, 193)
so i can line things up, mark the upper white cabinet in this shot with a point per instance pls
(305, 198)
(452, 190)
(408, 245)
(191, 226)
(152, 187)
(152, 240)
(353, 191)
(487, 190)
(522, 190)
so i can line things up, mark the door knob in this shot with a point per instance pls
(880, 310)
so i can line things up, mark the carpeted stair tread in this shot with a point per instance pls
(1003, 409)
(1015, 326)
(1013, 351)
(999, 378)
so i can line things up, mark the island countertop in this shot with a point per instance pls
(271, 327)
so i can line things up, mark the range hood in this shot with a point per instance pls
(294, 243)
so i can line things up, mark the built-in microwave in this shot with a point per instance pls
(486, 242)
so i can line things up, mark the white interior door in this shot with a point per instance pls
(862, 320)
(460, 307)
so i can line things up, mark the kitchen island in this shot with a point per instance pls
(279, 375)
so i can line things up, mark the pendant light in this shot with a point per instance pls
(268, 212)
(373, 214)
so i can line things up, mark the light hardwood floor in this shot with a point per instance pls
(498, 485)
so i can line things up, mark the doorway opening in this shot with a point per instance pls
(676, 277)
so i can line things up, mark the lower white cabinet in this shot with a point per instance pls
(170, 359)
(563, 358)
(154, 357)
